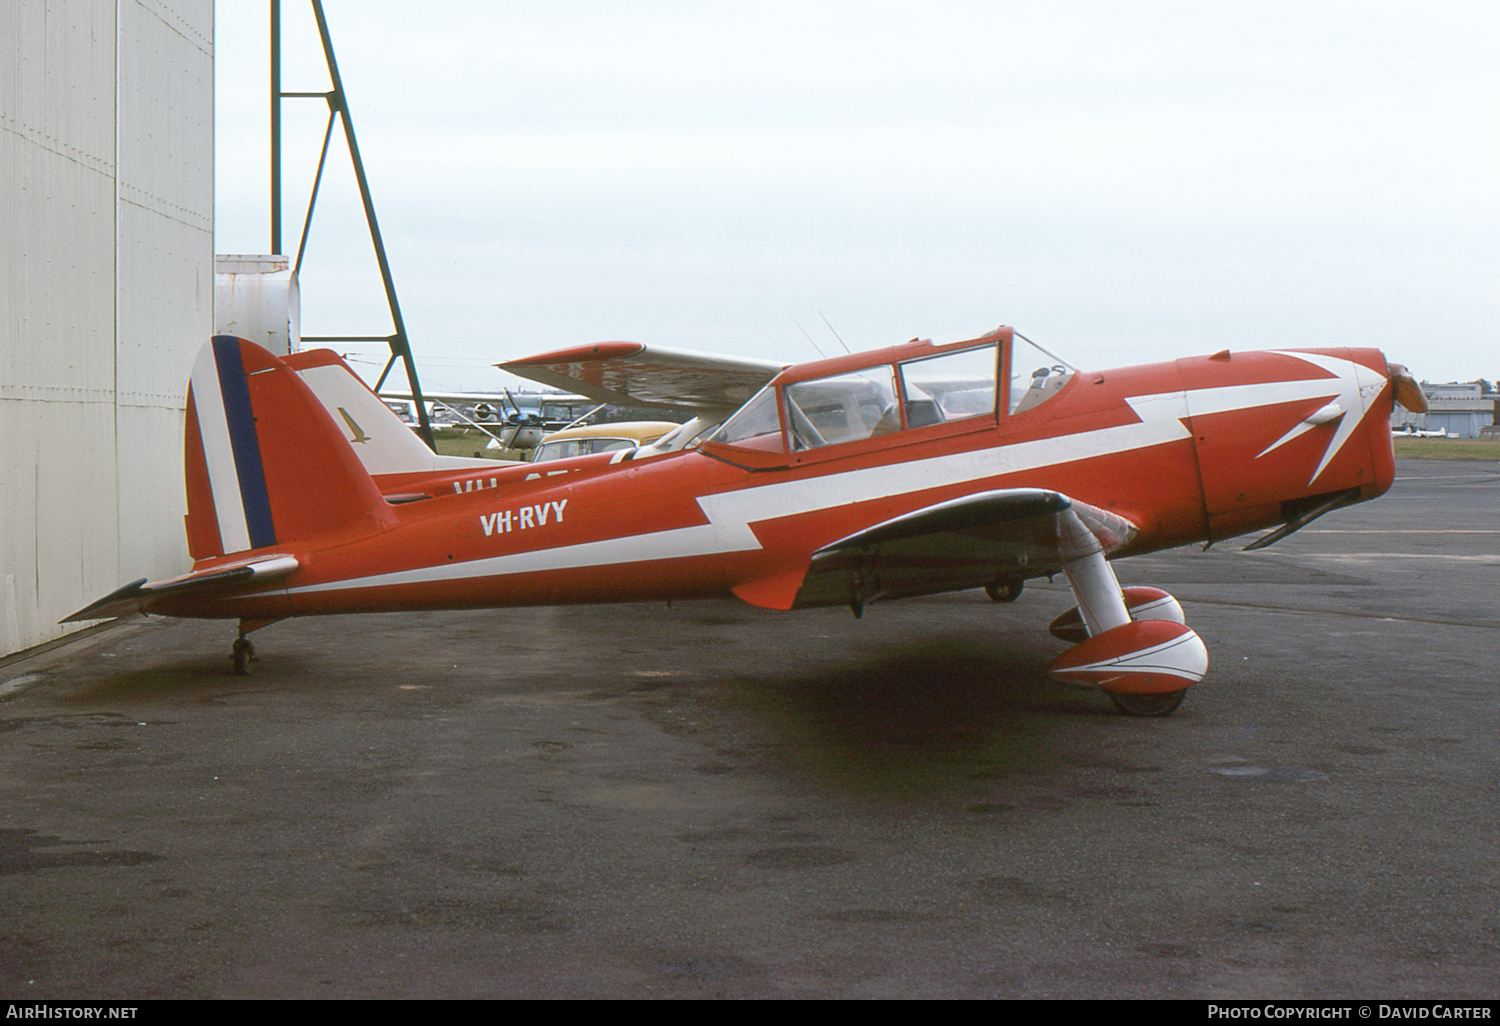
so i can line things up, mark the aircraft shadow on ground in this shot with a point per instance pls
(199, 679)
(916, 719)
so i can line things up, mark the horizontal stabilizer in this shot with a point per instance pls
(138, 596)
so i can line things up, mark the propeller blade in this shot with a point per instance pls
(1408, 392)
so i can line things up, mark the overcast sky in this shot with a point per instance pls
(1122, 181)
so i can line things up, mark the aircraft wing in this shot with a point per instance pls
(138, 595)
(467, 398)
(632, 374)
(499, 400)
(967, 542)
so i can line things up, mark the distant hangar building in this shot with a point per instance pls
(106, 146)
(1462, 409)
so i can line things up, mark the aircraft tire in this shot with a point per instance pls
(241, 655)
(1163, 704)
(1008, 591)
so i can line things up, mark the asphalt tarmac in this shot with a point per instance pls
(711, 800)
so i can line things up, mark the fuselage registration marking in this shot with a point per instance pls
(502, 521)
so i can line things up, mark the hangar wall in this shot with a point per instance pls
(106, 259)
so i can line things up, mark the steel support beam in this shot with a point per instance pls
(338, 111)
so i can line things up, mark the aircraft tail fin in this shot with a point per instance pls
(265, 465)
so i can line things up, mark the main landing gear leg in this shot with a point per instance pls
(1092, 579)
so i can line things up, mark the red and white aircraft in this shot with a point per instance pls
(907, 471)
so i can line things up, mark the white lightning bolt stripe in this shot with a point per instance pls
(1351, 386)
(1351, 396)
(731, 514)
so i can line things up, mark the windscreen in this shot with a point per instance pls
(1035, 375)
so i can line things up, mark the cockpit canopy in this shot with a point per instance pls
(908, 388)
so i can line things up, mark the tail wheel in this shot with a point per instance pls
(1163, 704)
(241, 654)
(1004, 591)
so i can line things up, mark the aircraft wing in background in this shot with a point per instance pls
(632, 374)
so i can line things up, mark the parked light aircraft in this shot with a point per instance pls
(907, 471)
(509, 421)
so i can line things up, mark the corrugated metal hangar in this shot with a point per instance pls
(106, 141)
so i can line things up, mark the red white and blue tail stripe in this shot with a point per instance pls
(219, 399)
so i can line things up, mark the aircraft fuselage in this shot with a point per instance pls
(1188, 451)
